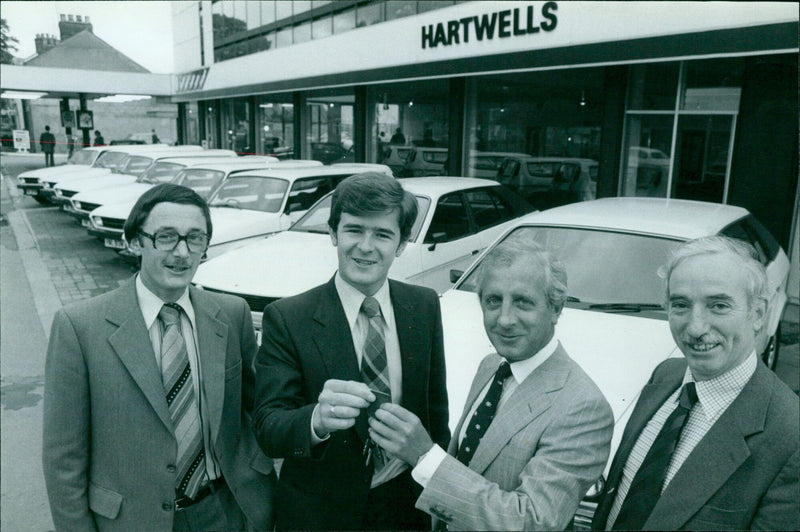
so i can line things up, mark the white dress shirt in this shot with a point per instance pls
(150, 305)
(520, 371)
(714, 396)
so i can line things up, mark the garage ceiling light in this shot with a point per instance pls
(121, 98)
(21, 95)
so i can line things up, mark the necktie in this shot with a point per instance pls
(483, 415)
(648, 482)
(374, 365)
(177, 377)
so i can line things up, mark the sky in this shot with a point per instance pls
(140, 30)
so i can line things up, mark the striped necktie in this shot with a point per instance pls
(374, 364)
(176, 374)
(648, 482)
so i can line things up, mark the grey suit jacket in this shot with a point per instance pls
(109, 449)
(544, 449)
(742, 475)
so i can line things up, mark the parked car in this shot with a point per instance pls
(134, 165)
(332, 152)
(106, 221)
(256, 203)
(549, 181)
(575, 180)
(486, 164)
(614, 323)
(651, 167)
(458, 217)
(424, 162)
(394, 156)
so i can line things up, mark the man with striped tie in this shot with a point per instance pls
(329, 356)
(712, 443)
(148, 392)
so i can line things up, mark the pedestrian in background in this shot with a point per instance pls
(149, 390)
(331, 354)
(155, 138)
(47, 142)
(98, 138)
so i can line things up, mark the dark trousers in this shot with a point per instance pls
(49, 160)
(218, 511)
(390, 506)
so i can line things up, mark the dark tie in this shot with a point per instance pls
(177, 377)
(648, 482)
(374, 365)
(483, 415)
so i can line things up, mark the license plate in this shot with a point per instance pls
(114, 243)
(31, 191)
(86, 223)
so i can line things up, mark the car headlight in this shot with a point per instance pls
(47, 185)
(97, 221)
(76, 204)
(59, 193)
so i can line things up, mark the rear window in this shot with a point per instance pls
(201, 181)
(434, 157)
(136, 165)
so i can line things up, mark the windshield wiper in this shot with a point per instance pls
(315, 231)
(573, 299)
(228, 205)
(626, 307)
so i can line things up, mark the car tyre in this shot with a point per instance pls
(770, 354)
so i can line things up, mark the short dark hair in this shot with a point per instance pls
(163, 193)
(47, 128)
(373, 193)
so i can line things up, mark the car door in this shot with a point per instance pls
(492, 212)
(449, 243)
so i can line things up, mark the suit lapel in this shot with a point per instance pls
(718, 455)
(413, 358)
(212, 342)
(486, 371)
(131, 343)
(526, 403)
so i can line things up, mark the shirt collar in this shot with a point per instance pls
(150, 304)
(522, 368)
(717, 393)
(352, 298)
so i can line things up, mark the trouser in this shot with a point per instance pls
(49, 160)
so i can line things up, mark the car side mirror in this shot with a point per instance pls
(293, 207)
(436, 238)
(455, 275)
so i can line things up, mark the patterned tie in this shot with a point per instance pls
(177, 377)
(483, 415)
(648, 482)
(374, 365)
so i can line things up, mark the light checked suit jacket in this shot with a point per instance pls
(108, 441)
(547, 444)
(742, 475)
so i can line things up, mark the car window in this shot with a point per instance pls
(160, 172)
(488, 208)
(200, 180)
(450, 220)
(543, 169)
(255, 193)
(603, 267)
(508, 170)
(741, 231)
(593, 170)
(567, 173)
(484, 163)
(82, 157)
(136, 165)
(110, 159)
(434, 157)
(769, 244)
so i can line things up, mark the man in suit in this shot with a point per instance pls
(712, 443)
(330, 353)
(47, 141)
(535, 432)
(149, 390)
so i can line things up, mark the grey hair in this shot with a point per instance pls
(518, 248)
(754, 271)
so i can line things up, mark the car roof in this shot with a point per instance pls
(311, 171)
(441, 185)
(193, 160)
(200, 154)
(253, 163)
(683, 219)
(532, 159)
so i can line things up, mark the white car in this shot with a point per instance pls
(134, 165)
(107, 221)
(458, 217)
(614, 323)
(251, 205)
(550, 181)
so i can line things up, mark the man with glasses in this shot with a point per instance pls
(149, 390)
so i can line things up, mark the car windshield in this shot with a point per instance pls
(110, 159)
(136, 165)
(253, 193)
(200, 180)
(85, 157)
(606, 270)
(160, 172)
(316, 219)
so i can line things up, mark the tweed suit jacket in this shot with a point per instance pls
(307, 341)
(546, 446)
(109, 447)
(742, 475)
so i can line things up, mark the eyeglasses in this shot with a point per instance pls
(168, 240)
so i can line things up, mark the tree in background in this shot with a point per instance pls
(8, 44)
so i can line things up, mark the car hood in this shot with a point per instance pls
(283, 265)
(54, 171)
(619, 363)
(115, 210)
(102, 196)
(235, 224)
(91, 183)
(75, 176)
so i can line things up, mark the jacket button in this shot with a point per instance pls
(171, 468)
(167, 507)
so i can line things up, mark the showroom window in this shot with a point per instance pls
(275, 126)
(329, 126)
(681, 149)
(236, 126)
(531, 130)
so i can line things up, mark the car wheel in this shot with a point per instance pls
(770, 354)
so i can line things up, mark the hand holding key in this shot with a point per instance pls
(340, 403)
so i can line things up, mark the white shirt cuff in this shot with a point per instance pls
(316, 440)
(428, 465)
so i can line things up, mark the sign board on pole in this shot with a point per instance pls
(67, 118)
(22, 140)
(85, 119)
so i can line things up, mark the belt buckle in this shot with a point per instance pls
(181, 500)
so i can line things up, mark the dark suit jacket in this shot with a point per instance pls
(742, 475)
(307, 340)
(108, 441)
